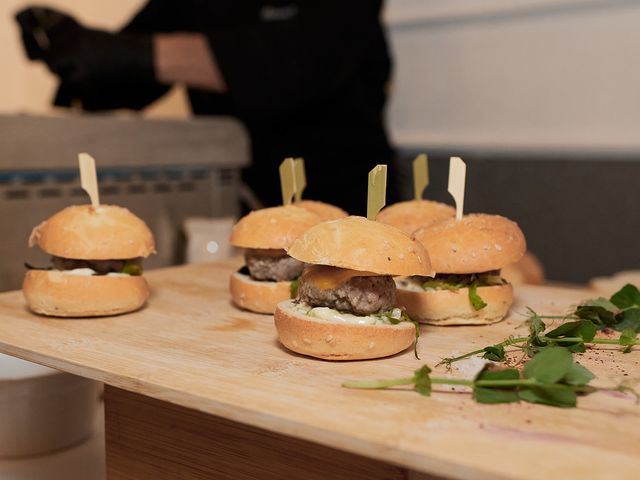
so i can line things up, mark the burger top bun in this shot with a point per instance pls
(413, 214)
(83, 232)
(360, 244)
(477, 243)
(324, 210)
(274, 227)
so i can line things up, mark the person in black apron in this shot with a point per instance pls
(307, 77)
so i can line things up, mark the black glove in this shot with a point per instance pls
(81, 56)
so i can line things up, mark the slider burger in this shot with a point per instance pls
(324, 210)
(467, 256)
(266, 278)
(96, 263)
(410, 215)
(345, 303)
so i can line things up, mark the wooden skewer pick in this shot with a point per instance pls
(457, 179)
(300, 178)
(287, 180)
(420, 175)
(377, 192)
(88, 178)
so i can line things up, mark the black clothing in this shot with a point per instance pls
(307, 78)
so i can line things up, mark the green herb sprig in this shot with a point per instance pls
(551, 378)
(620, 313)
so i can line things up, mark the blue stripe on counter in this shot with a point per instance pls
(117, 174)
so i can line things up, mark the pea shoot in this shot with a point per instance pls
(551, 378)
(621, 312)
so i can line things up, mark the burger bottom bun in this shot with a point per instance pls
(59, 294)
(257, 296)
(339, 341)
(446, 307)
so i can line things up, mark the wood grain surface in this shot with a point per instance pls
(192, 348)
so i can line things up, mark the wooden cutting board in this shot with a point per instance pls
(191, 347)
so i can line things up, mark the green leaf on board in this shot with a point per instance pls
(495, 353)
(629, 319)
(628, 339)
(578, 375)
(554, 395)
(489, 373)
(495, 395)
(600, 311)
(549, 366)
(423, 381)
(627, 297)
(581, 328)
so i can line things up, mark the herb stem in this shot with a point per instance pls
(451, 381)
(506, 343)
(377, 384)
(519, 382)
(604, 341)
(381, 384)
(612, 341)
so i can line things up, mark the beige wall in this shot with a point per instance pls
(28, 87)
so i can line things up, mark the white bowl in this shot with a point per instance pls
(41, 409)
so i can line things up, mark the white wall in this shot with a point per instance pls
(529, 74)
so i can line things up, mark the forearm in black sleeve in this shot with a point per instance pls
(126, 90)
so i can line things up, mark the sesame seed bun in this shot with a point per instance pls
(413, 214)
(476, 243)
(360, 244)
(85, 233)
(272, 228)
(59, 294)
(339, 341)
